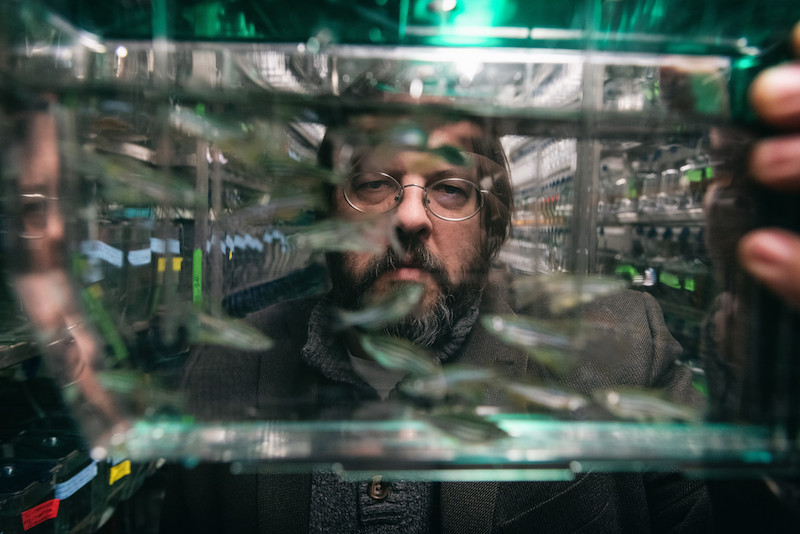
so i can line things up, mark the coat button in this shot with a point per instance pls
(377, 489)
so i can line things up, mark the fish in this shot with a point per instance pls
(193, 124)
(296, 175)
(228, 332)
(548, 342)
(306, 282)
(451, 155)
(559, 344)
(382, 311)
(564, 292)
(699, 379)
(255, 152)
(645, 405)
(282, 177)
(694, 366)
(450, 378)
(268, 211)
(464, 424)
(552, 397)
(126, 180)
(398, 354)
(371, 235)
(140, 386)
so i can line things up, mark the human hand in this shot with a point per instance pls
(772, 255)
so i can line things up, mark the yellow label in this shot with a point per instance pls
(96, 291)
(176, 264)
(118, 471)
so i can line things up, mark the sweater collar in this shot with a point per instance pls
(325, 350)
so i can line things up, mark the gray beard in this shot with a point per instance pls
(426, 329)
(431, 328)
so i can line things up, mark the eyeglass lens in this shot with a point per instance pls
(450, 198)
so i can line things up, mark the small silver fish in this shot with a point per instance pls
(267, 210)
(372, 234)
(564, 292)
(191, 123)
(640, 404)
(140, 386)
(551, 397)
(121, 381)
(229, 333)
(126, 180)
(699, 378)
(305, 282)
(542, 340)
(464, 424)
(451, 378)
(398, 354)
(382, 311)
(696, 367)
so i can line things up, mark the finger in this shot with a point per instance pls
(776, 162)
(796, 39)
(773, 256)
(775, 95)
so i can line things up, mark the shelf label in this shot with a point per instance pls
(39, 514)
(103, 251)
(159, 246)
(140, 257)
(67, 488)
(118, 471)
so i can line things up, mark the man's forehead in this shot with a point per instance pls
(419, 133)
(423, 163)
(460, 134)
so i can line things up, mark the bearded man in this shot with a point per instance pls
(448, 193)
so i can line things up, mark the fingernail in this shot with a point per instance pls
(776, 158)
(783, 80)
(768, 250)
(776, 90)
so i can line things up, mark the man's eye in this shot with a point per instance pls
(371, 189)
(453, 190)
(449, 189)
(374, 185)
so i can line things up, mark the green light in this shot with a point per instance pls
(688, 284)
(478, 22)
(626, 269)
(670, 280)
(695, 175)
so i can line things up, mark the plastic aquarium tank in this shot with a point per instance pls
(162, 182)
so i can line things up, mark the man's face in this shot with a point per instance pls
(447, 257)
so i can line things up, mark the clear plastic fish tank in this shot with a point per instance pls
(174, 171)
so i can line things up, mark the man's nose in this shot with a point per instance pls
(412, 216)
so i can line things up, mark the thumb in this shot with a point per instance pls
(772, 256)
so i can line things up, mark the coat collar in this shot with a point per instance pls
(466, 507)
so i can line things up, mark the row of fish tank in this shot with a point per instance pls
(159, 190)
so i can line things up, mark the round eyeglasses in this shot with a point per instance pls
(451, 199)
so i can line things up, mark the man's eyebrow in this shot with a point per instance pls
(467, 173)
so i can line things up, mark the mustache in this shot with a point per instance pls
(416, 255)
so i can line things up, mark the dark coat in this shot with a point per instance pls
(209, 498)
